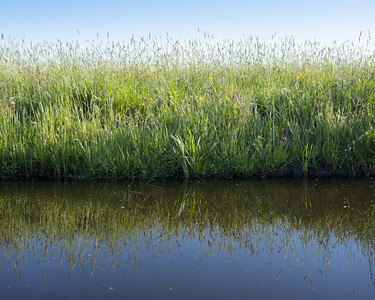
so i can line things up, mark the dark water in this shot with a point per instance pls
(214, 240)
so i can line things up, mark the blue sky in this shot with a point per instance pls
(39, 20)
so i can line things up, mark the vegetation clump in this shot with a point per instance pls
(158, 109)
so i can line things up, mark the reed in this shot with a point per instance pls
(168, 108)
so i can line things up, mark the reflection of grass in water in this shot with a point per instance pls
(76, 228)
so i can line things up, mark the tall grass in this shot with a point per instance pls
(164, 108)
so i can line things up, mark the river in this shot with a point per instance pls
(233, 239)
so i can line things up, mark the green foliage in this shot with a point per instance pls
(153, 109)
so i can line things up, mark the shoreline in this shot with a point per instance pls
(293, 173)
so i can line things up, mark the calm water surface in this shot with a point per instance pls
(214, 240)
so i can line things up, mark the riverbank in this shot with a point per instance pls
(149, 110)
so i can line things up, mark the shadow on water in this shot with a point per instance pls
(270, 239)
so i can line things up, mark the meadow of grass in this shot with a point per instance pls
(157, 108)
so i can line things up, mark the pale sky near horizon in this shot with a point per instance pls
(38, 20)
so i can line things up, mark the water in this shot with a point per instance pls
(214, 240)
